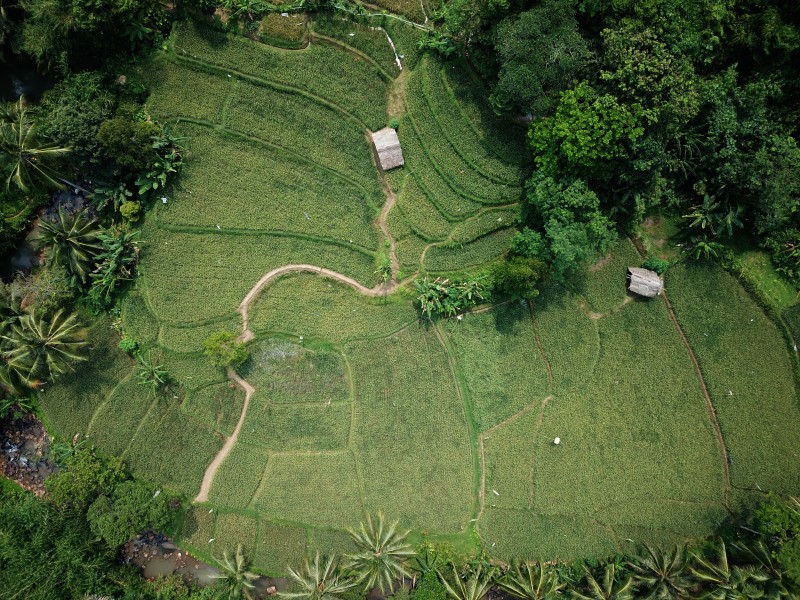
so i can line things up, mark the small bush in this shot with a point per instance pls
(225, 351)
(659, 265)
(128, 345)
(430, 588)
(528, 243)
(130, 210)
(394, 123)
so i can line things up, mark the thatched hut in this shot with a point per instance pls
(387, 145)
(644, 282)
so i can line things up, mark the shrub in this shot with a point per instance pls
(225, 351)
(445, 297)
(659, 265)
(132, 507)
(394, 123)
(129, 143)
(130, 210)
(517, 277)
(129, 345)
(430, 588)
(528, 243)
(84, 477)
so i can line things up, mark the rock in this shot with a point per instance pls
(271, 590)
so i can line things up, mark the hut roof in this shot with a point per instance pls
(644, 282)
(388, 148)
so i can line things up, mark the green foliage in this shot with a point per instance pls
(129, 142)
(39, 347)
(532, 580)
(541, 53)
(430, 588)
(662, 574)
(132, 506)
(528, 243)
(225, 350)
(73, 240)
(235, 578)
(475, 587)
(517, 277)
(587, 131)
(85, 476)
(445, 297)
(129, 345)
(72, 113)
(27, 157)
(381, 553)
(130, 210)
(114, 265)
(614, 586)
(318, 581)
(659, 265)
(150, 373)
(574, 227)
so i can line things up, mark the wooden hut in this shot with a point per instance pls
(387, 145)
(644, 282)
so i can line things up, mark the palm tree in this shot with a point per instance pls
(474, 588)
(74, 241)
(30, 156)
(319, 581)
(235, 577)
(39, 348)
(382, 552)
(150, 373)
(662, 574)
(531, 580)
(775, 586)
(724, 582)
(609, 589)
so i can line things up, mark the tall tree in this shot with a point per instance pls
(381, 555)
(30, 158)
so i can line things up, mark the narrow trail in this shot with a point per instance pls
(712, 413)
(381, 289)
(211, 471)
(547, 365)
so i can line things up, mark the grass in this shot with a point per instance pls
(749, 373)
(489, 347)
(360, 405)
(353, 86)
(284, 32)
(406, 399)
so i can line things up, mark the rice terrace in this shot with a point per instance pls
(563, 426)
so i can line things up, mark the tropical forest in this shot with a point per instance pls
(399, 299)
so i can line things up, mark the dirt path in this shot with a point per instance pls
(712, 413)
(381, 289)
(211, 471)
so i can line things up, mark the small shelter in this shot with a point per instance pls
(387, 145)
(644, 282)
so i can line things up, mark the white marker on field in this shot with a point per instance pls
(557, 441)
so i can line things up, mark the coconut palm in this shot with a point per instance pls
(73, 240)
(150, 373)
(474, 588)
(38, 348)
(382, 552)
(610, 589)
(531, 580)
(721, 582)
(30, 156)
(318, 581)
(775, 586)
(660, 574)
(235, 577)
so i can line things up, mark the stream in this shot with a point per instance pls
(19, 77)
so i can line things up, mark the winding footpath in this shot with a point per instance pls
(381, 289)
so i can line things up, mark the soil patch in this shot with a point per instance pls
(24, 453)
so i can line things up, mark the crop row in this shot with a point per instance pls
(274, 192)
(456, 256)
(497, 135)
(364, 38)
(490, 347)
(173, 91)
(305, 127)
(449, 199)
(319, 308)
(318, 489)
(238, 479)
(406, 396)
(483, 224)
(194, 277)
(448, 163)
(218, 406)
(420, 214)
(321, 70)
(290, 428)
(462, 138)
(749, 374)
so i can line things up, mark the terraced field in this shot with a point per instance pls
(352, 403)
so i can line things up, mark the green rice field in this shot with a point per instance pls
(361, 405)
